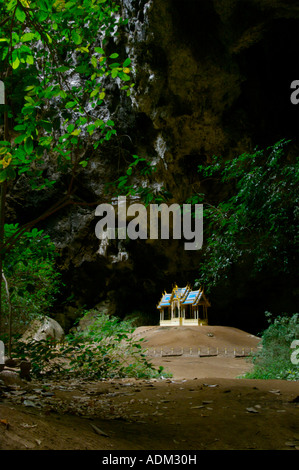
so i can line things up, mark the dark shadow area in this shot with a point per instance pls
(269, 67)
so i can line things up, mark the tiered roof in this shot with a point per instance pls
(165, 301)
(184, 295)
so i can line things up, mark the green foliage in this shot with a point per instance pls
(256, 222)
(56, 62)
(273, 361)
(55, 69)
(33, 281)
(104, 349)
(44, 355)
(138, 169)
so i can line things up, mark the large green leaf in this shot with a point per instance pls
(77, 38)
(28, 145)
(27, 37)
(3, 176)
(20, 14)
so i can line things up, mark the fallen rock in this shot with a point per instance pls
(11, 378)
(42, 329)
(9, 362)
(251, 410)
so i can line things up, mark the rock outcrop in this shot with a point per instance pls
(42, 329)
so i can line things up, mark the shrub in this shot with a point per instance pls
(105, 349)
(32, 280)
(255, 222)
(273, 361)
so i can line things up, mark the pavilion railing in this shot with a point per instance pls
(200, 351)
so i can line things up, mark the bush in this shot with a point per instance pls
(32, 278)
(273, 361)
(105, 349)
(255, 222)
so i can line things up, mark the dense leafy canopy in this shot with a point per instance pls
(256, 222)
(56, 58)
(54, 66)
(31, 276)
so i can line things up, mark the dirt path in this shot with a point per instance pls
(202, 407)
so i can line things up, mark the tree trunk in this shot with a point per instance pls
(2, 211)
(9, 314)
(2, 221)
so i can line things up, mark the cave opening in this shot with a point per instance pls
(263, 112)
(269, 67)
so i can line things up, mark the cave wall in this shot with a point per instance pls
(211, 77)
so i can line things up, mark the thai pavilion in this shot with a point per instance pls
(184, 307)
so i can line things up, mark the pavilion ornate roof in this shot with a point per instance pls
(184, 295)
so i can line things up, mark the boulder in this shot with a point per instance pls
(42, 329)
(11, 378)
